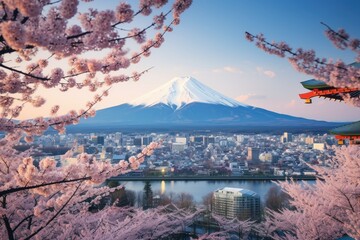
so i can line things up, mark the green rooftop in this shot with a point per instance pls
(352, 129)
(315, 84)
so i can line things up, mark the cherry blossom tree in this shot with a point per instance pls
(330, 208)
(128, 224)
(326, 210)
(228, 228)
(334, 73)
(38, 199)
(33, 29)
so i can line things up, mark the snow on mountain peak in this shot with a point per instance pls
(181, 91)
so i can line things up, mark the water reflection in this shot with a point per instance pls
(162, 187)
(200, 188)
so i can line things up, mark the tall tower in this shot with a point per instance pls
(286, 137)
(253, 154)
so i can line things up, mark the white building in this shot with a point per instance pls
(178, 147)
(236, 203)
(180, 140)
(265, 157)
(319, 146)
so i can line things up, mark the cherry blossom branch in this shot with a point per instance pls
(6, 164)
(56, 214)
(335, 218)
(67, 119)
(24, 73)
(13, 190)
(8, 227)
(336, 74)
(347, 199)
(113, 26)
(341, 39)
(22, 221)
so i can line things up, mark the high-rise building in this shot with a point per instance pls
(309, 140)
(100, 140)
(236, 203)
(138, 141)
(142, 140)
(146, 140)
(197, 139)
(118, 138)
(286, 137)
(253, 154)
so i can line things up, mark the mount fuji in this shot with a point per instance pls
(185, 101)
(181, 91)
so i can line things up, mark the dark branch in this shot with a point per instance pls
(13, 190)
(335, 218)
(113, 26)
(23, 73)
(289, 51)
(57, 214)
(8, 228)
(19, 224)
(334, 32)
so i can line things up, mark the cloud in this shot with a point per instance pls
(250, 96)
(227, 69)
(269, 73)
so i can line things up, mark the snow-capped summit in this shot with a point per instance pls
(181, 91)
(187, 103)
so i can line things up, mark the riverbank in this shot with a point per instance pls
(213, 178)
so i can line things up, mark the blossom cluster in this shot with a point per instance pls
(328, 209)
(38, 198)
(334, 73)
(40, 190)
(59, 30)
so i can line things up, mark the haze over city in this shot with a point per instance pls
(210, 46)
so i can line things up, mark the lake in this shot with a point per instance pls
(198, 189)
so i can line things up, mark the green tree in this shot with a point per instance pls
(148, 196)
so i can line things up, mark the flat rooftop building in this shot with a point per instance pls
(236, 203)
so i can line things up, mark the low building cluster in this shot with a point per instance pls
(205, 154)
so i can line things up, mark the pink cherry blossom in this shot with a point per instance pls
(337, 74)
(57, 47)
(330, 208)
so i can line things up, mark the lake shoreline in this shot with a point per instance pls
(213, 178)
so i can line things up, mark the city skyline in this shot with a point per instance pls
(209, 45)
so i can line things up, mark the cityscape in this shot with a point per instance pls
(188, 154)
(179, 120)
(197, 156)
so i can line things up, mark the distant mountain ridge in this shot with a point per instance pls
(185, 101)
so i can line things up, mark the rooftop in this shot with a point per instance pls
(239, 191)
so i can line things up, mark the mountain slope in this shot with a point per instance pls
(187, 102)
(181, 91)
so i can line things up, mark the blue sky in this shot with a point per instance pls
(209, 45)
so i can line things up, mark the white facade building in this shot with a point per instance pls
(236, 203)
(178, 147)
